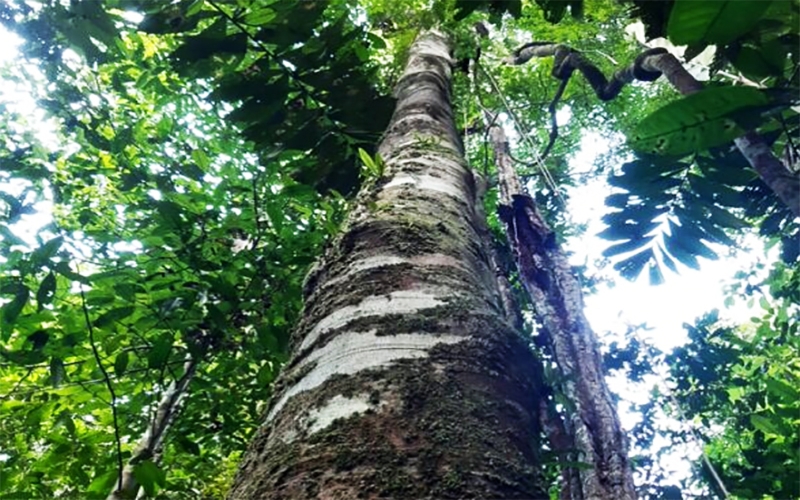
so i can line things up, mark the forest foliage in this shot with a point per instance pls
(179, 165)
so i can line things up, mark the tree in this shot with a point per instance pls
(186, 150)
(405, 380)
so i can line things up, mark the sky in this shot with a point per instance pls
(680, 299)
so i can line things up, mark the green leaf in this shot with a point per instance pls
(199, 156)
(159, 354)
(714, 233)
(689, 238)
(628, 231)
(634, 214)
(680, 253)
(784, 391)
(765, 425)
(367, 160)
(656, 276)
(187, 444)
(121, 363)
(259, 17)
(150, 476)
(113, 315)
(627, 246)
(276, 215)
(761, 62)
(165, 125)
(668, 261)
(103, 482)
(47, 290)
(9, 237)
(45, 252)
(376, 41)
(696, 122)
(12, 310)
(265, 375)
(718, 22)
(724, 218)
(631, 267)
(57, 372)
(702, 186)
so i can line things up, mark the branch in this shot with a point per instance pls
(567, 60)
(649, 66)
(552, 109)
(106, 378)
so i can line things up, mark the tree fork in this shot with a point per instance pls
(406, 381)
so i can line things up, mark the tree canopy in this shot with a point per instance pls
(171, 170)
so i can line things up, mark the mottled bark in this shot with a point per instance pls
(405, 379)
(593, 428)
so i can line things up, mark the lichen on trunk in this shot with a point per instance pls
(405, 380)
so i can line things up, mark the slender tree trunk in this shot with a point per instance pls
(595, 436)
(405, 381)
(149, 446)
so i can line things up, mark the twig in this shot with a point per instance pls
(106, 378)
(552, 109)
(16, 386)
(523, 133)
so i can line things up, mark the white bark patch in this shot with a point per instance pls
(399, 302)
(428, 182)
(335, 408)
(351, 352)
(433, 47)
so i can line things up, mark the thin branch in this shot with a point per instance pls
(552, 109)
(151, 442)
(549, 181)
(17, 385)
(106, 378)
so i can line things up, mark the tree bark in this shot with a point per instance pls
(593, 426)
(405, 381)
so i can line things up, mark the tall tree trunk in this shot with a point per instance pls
(405, 380)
